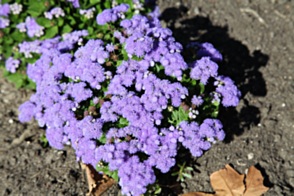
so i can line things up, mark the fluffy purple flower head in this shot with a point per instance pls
(26, 111)
(89, 13)
(16, 8)
(74, 36)
(110, 47)
(22, 27)
(212, 128)
(206, 50)
(12, 64)
(57, 12)
(4, 9)
(197, 100)
(4, 22)
(155, 12)
(121, 8)
(111, 15)
(203, 69)
(229, 92)
(33, 29)
(135, 176)
(75, 3)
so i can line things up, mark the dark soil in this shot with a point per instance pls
(257, 41)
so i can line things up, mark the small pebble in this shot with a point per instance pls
(246, 171)
(10, 121)
(250, 156)
(196, 11)
(240, 162)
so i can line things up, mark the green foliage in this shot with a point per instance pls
(51, 32)
(44, 141)
(178, 116)
(43, 22)
(181, 173)
(123, 122)
(19, 79)
(36, 8)
(103, 139)
(105, 170)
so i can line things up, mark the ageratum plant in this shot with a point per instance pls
(128, 102)
(29, 28)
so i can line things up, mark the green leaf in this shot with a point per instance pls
(125, 54)
(187, 175)
(103, 139)
(94, 1)
(31, 85)
(36, 8)
(99, 169)
(44, 140)
(66, 29)
(158, 190)
(17, 36)
(202, 87)
(5, 73)
(175, 174)
(30, 60)
(81, 25)
(175, 116)
(159, 68)
(183, 115)
(72, 20)
(5, 1)
(107, 36)
(8, 40)
(189, 168)
(114, 175)
(107, 4)
(17, 78)
(90, 30)
(60, 21)
(118, 63)
(123, 122)
(51, 32)
(52, 2)
(182, 178)
(44, 22)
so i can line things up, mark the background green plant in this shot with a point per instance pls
(73, 20)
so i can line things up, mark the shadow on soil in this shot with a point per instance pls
(238, 64)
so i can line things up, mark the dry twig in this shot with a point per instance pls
(254, 13)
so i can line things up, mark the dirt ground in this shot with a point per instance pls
(257, 41)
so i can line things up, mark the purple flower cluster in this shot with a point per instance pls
(89, 13)
(197, 100)
(4, 22)
(229, 92)
(16, 8)
(203, 69)
(131, 92)
(112, 15)
(12, 64)
(75, 36)
(206, 50)
(75, 3)
(4, 9)
(155, 43)
(31, 26)
(57, 12)
(46, 46)
(193, 137)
